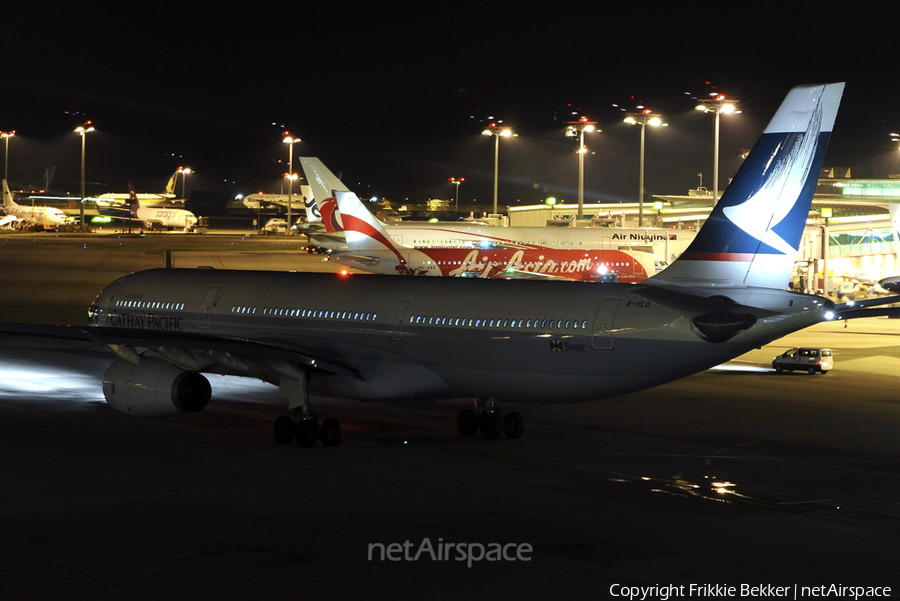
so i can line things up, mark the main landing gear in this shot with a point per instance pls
(307, 430)
(303, 426)
(489, 422)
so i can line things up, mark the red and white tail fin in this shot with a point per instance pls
(324, 184)
(362, 230)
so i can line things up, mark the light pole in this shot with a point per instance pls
(577, 128)
(83, 131)
(495, 130)
(644, 118)
(287, 139)
(718, 105)
(6, 136)
(184, 173)
(457, 181)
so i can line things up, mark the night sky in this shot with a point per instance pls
(395, 96)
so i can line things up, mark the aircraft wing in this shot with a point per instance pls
(518, 274)
(361, 259)
(199, 352)
(857, 309)
(323, 238)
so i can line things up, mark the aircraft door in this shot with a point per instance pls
(399, 316)
(210, 299)
(602, 334)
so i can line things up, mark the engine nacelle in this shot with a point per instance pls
(154, 388)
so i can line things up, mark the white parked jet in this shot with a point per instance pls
(46, 218)
(383, 338)
(147, 199)
(373, 250)
(133, 211)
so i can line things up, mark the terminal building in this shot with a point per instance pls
(857, 218)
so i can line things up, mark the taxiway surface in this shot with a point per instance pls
(731, 476)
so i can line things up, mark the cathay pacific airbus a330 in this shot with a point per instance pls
(383, 338)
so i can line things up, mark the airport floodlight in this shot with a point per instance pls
(290, 141)
(184, 171)
(83, 131)
(457, 181)
(644, 118)
(494, 129)
(578, 129)
(719, 105)
(6, 135)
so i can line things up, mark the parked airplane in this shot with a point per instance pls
(147, 199)
(371, 249)
(302, 199)
(46, 218)
(531, 341)
(132, 211)
(667, 243)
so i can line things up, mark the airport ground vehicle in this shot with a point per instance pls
(811, 360)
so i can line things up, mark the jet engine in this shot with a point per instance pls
(154, 388)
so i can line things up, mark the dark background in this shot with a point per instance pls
(395, 96)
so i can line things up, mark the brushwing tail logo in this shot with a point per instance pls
(788, 171)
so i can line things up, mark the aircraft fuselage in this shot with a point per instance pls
(418, 338)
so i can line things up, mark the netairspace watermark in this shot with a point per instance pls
(441, 551)
(665, 592)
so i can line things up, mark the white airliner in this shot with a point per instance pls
(146, 199)
(133, 211)
(46, 218)
(301, 199)
(667, 243)
(372, 249)
(379, 338)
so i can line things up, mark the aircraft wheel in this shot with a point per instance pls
(513, 424)
(307, 432)
(467, 422)
(330, 432)
(490, 425)
(284, 430)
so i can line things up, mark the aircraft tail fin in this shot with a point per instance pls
(752, 235)
(362, 231)
(133, 201)
(170, 187)
(8, 201)
(324, 184)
